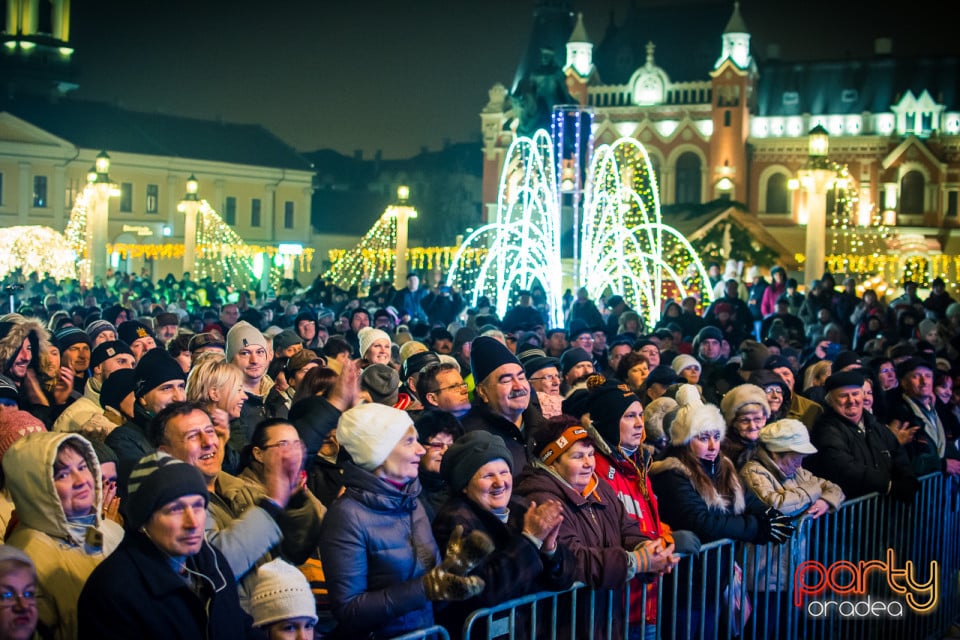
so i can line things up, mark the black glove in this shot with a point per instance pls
(775, 527)
(465, 553)
(903, 489)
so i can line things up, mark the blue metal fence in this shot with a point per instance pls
(864, 573)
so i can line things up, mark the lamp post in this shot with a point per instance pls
(814, 180)
(103, 188)
(189, 206)
(403, 213)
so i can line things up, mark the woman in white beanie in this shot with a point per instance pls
(745, 410)
(687, 367)
(375, 346)
(282, 604)
(378, 552)
(698, 490)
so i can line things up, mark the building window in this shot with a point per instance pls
(153, 198)
(40, 191)
(688, 179)
(911, 193)
(230, 211)
(1, 189)
(778, 195)
(952, 204)
(726, 118)
(288, 220)
(126, 197)
(255, 212)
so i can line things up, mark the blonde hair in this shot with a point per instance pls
(816, 374)
(212, 371)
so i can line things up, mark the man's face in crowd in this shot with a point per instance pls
(192, 438)
(77, 357)
(617, 352)
(918, 384)
(167, 332)
(167, 393)
(848, 402)
(359, 321)
(506, 390)
(229, 315)
(252, 360)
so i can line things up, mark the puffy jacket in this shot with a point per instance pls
(136, 593)
(375, 545)
(65, 554)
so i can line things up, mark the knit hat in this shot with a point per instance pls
(843, 379)
(486, 354)
(382, 383)
(369, 432)
(926, 326)
(12, 553)
(533, 365)
(684, 361)
(572, 357)
(470, 452)
(707, 333)
(693, 420)
(118, 386)
(369, 335)
(106, 350)
(739, 397)
(8, 390)
(243, 334)
(777, 362)
(155, 367)
(410, 348)
(446, 358)
(787, 435)
(301, 359)
(156, 480)
(654, 413)
(97, 327)
(14, 424)
(845, 359)
(284, 339)
(608, 401)
(281, 592)
(132, 330)
(418, 362)
(202, 340)
(661, 375)
(66, 338)
(753, 355)
(104, 452)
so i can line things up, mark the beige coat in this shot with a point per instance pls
(64, 554)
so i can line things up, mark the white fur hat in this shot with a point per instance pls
(739, 397)
(693, 420)
(281, 592)
(654, 413)
(369, 432)
(683, 361)
(369, 335)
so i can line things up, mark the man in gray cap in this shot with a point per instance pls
(502, 398)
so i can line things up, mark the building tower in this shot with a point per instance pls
(579, 66)
(36, 56)
(732, 81)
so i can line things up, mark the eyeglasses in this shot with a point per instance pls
(773, 390)
(549, 378)
(437, 445)
(28, 598)
(283, 444)
(459, 385)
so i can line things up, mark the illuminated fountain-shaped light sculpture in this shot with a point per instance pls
(625, 246)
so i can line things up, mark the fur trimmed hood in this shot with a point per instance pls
(12, 334)
(735, 504)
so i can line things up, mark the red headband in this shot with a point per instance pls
(555, 449)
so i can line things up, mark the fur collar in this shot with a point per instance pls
(707, 490)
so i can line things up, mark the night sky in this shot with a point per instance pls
(394, 75)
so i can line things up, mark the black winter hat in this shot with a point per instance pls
(132, 330)
(843, 379)
(573, 357)
(117, 387)
(69, 336)
(155, 367)
(608, 401)
(418, 362)
(106, 350)
(486, 354)
(470, 452)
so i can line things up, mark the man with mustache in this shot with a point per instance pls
(502, 403)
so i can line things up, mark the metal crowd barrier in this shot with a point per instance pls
(864, 572)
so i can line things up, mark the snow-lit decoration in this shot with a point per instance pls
(36, 249)
(76, 232)
(221, 253)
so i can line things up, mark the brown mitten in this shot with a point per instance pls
(465, 552)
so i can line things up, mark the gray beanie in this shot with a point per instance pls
(470, 452)
(241, 335)
(382, 383)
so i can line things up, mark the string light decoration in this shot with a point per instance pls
(36, 249)
(223, 256)
(854, 232)
(175, 250)
(627, 248)
(371, 260)
(76, 233)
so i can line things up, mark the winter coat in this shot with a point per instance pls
(738, 449)
(135, 593)
(598, 531)
(251, 413)
(515, 568)
(78, 412)
(375, 546)
(930, 447)
(481, 418)
(324, 479)
(131, 441)
(792, 496)
(65, 554)
(859, 462)
(12, 335)
(434, 492)
(624, 476)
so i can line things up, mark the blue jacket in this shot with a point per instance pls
(375, 545)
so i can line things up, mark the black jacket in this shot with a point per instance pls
(481, 418)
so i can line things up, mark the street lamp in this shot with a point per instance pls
(403, 213)
(102, 187)
(814, 178)
(189, 206)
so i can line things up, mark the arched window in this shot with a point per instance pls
(778, 195)
(688, 179)
(911, 192)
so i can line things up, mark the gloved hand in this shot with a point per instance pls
(903, 489)
(775, 527)
(440, 585)
(465, 553)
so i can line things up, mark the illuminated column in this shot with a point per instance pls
(572, 134)
(189, 207)
(403, 212)
(814, 179)
(99, 214)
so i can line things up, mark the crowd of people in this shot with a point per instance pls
(178, 461)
